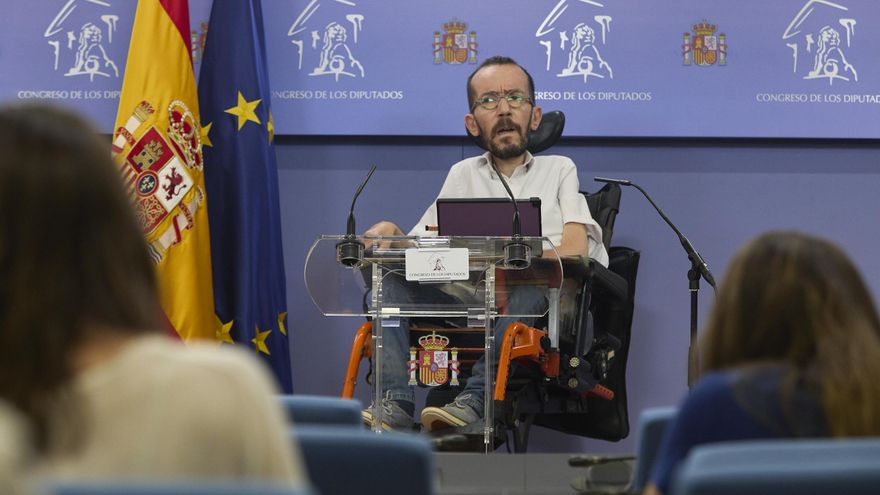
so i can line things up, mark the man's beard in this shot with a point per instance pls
(508, 150)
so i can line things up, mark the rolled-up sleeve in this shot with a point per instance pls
(575, 210)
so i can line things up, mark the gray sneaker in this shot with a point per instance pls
(393, 418)
(456, 413)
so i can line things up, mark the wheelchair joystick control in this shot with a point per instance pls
(350, 250)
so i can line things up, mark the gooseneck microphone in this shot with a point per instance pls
(622, 182)
(517, 254)
(698, 269)
(350, 251)
(699, 263)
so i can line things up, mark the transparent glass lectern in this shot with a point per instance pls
(478, 272)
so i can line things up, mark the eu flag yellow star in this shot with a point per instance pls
(244, 110)
(281, 318)
(270, 126)
(260, 341)
(222, 334)
(203, 135)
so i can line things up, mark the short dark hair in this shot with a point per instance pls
(497, 60)
(73, 259)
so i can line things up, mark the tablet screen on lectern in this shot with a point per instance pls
(487, 217)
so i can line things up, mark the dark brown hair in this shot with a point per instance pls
(72, 255)
(798, 300)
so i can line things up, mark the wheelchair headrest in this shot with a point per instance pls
(545, 136)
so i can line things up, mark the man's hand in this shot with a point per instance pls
(382, 229)
(574, 240)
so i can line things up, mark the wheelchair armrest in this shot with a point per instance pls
(608, 284)
(605, 283)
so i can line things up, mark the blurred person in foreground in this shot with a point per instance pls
(16, 451)
(792, 322)
(82, 354)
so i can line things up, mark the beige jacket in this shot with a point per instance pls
(162, 409)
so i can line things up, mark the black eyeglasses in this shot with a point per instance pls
(490, 101)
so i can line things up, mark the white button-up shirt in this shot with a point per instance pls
(552, 178)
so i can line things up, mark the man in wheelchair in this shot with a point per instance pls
(502, 112)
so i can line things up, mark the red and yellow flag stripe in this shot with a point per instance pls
(157, 146)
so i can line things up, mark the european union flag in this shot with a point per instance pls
(241, 178)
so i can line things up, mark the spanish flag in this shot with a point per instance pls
(157, 145)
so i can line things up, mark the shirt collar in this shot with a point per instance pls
(487, 156)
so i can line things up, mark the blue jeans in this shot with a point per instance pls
(395, 375)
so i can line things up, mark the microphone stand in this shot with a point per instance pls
(698, 269)
(350, 250)
(517, 254)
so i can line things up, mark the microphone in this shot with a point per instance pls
(350, 251)
(517, 254)
(699, 263)
(622, 182)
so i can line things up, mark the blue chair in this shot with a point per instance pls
(781, 467)
(167, 487)
(653, 424)
(347, 459)
(319, 409)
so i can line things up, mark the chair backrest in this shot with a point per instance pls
(604, 205)
(653, 424)
(319, 409)
(167, 487)
(780, 467)
(353, 460)
(545, 136)
(609, 419)
(612, 321)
